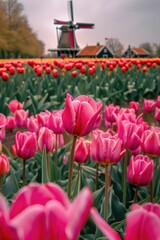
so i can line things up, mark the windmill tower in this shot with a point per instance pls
(66, 38)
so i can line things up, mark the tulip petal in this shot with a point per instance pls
(78, 213)
(106, 229)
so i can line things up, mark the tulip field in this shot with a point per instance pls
(80, 149)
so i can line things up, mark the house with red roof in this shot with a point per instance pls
(136, 53)
(97, 51)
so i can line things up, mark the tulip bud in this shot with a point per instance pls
(46, 138)
(4, 164)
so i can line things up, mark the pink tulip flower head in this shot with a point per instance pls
(25, 144)
(2, 120)
(130, 134)
(150, 142)
(106, 149)
(46, 138)
(80, 114)
(149, 105)
(10, 124)
(48, 210)
(157, 114)
(4, 164)
(2, 134)
(82, 150)
(21, 118)
(140, 170)
(158, 101)
(134, 105)
(55, 122)
(148, 214)
(15, 105)
(32, 124)
(110, 111)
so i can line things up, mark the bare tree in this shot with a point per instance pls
(115, 46)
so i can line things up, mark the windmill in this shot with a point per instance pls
(67, 43)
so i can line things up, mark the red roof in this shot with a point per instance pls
(140, 51)
(90, 51)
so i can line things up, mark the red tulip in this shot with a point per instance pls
(46, 138)
(15, 105)
(74, 73)
(5, 76)
(140, 170)
(25, 144)
(55, 73)
(80, 114)
(4, 164)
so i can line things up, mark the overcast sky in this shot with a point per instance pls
(131, 21)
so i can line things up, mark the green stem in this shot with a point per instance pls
(110, 176)
(24, 173)
(136, 194)
(56, 152)
(96, 183)
(49, 165)
(124, 184)
(151, 190)
(71, 165)
(106, 200)
(1, 182)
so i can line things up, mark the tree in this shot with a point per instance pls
(115, 46)
(148, 47)
(16, 36)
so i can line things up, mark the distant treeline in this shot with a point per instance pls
(17, 38)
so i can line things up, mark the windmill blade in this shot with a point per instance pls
(59, 22)
(84, 25)
(71, 11)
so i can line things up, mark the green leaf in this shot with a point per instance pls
(45, 177)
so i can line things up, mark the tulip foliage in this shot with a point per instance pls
(80, 149)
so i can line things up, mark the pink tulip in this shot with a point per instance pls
(2, 134)
(42, 119)
(134, 105)
(82, 150)
(10, 125)
(105, 148)
(110, 111)
(46, 138)
(130, 134)
(21, 118)
(149, 105)
(2, 120)
(158, 101)
(150, 142)
(32, 124)
(48, 211)
(55, 122)
(157, 114)
(143, 222)
(15, 105)
(25, 144)
(80, 114)
(140, 170)
(4, 164)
